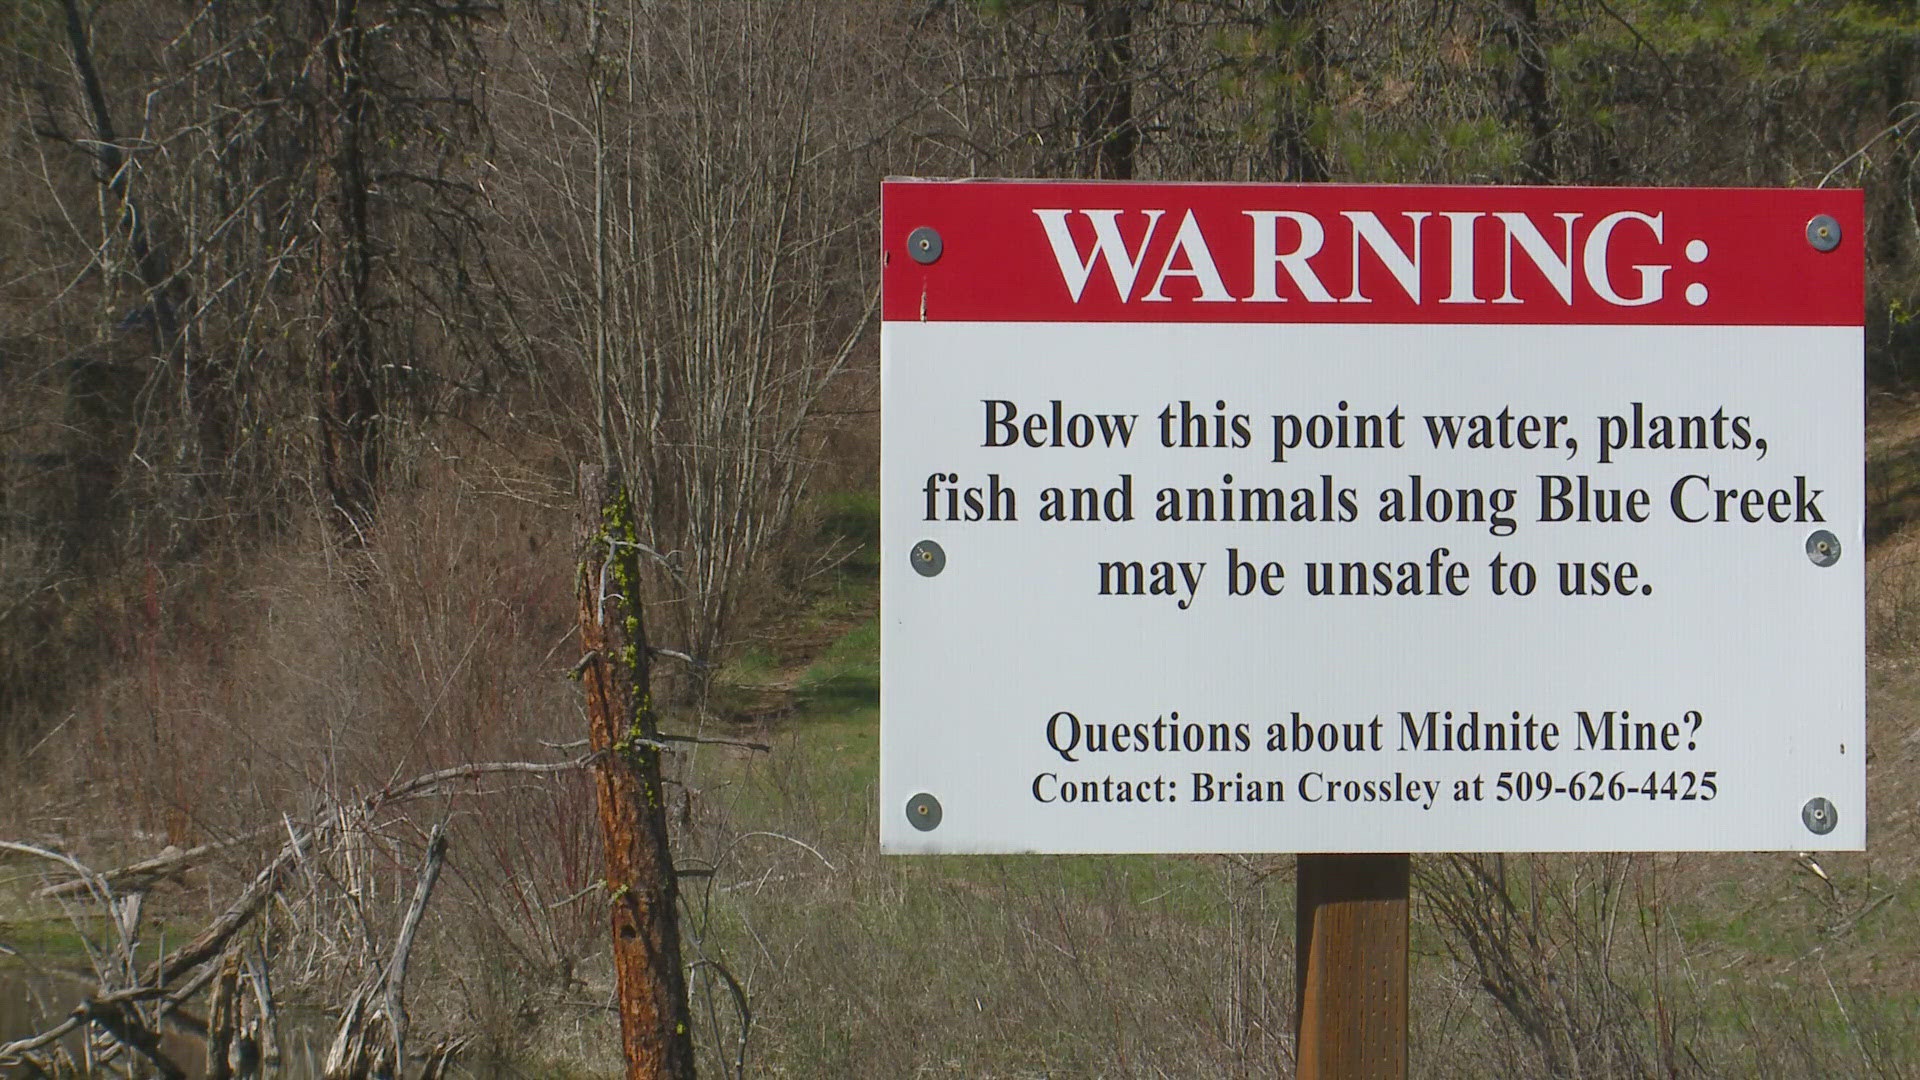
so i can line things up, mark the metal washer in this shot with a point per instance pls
(1823, 548)
(1819, 816)
(1823, 232)
(928, 558)
(923, 812)
(924, 245)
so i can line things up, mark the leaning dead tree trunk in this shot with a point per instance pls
(655, 1024)
(379, 1006)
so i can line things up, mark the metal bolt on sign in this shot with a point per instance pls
(924, 246)
(929, 558)
(923, 812)
(1822, 232)
(1823, 548)
(1819, 816)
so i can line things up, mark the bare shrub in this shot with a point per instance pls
(1573, 953)
(319, 671)
(704, 240)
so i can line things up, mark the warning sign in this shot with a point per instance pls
(1323, 518)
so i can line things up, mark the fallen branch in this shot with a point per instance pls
(117, 1021)
(397, 970)
(261, 981)
(214, 938)
(223, 1018)
(165, 864)
(791, 840)
(1846, 927)
(88, 879)
(425, 783)
(705, 740)
(17, 1051)
(159, 978)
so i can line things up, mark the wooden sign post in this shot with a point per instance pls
(1350, 967)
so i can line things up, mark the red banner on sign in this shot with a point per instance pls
(1025, 251)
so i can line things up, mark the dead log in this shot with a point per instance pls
(214, 938)
(167, 864)
(358, 1051)
(223, 1018)
(347, 1056)
(403, 947)
(125, 1026)
(179, 975)
(267, 1023)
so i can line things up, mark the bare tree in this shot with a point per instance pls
(706, 251)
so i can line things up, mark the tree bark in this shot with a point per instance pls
(1107, 130)
(1528, 99)
(110, 169)
(623, 731)
(349, 396)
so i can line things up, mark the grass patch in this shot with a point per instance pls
(56, 941)
(753, 665)
(851, 519)
(748, 686)
(841, 753)
(849, 540)
(845, 680)
(64, 942)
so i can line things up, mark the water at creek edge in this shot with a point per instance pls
(33, 1000)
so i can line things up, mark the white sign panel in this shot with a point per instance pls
(1262, 518)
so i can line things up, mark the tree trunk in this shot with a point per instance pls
(623, 731)
(110, 169)
(1895, 211)
(163, 298)
(349, 398)
(1107, 131)
(1528, 101)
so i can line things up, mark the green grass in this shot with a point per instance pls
(841, 752)
(751, 666)
(845, 680)
(61, 941)
(849, 538)
(852, 519)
